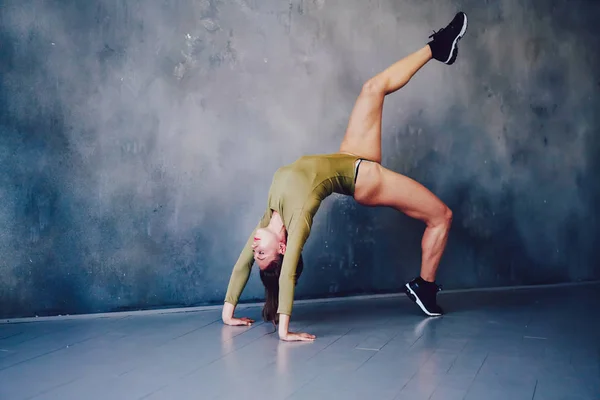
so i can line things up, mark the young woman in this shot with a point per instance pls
(298, 189)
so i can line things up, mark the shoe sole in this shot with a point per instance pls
(413, 296)
(456, 39)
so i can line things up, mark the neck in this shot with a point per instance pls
(276, 226)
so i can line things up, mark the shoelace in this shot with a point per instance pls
(434, 34)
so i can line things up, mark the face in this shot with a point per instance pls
(267, 247)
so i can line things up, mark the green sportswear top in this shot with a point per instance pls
(296, 193)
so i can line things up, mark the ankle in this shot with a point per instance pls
(427, 50)
(427, 278)
(437, 49)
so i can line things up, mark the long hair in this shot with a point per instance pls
(270, 279)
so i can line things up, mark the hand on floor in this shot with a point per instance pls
(297, 336)
(239, 321)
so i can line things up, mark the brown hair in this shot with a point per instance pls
(270, 279)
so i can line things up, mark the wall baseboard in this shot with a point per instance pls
(122, 314)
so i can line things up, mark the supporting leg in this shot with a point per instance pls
(378, 186)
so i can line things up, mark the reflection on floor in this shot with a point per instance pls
(541, 343)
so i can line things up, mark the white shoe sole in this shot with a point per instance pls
(456, 39)
(418, 301)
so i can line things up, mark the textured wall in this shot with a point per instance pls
(138, 141)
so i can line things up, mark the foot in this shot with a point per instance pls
(444, 43)
(424, 294)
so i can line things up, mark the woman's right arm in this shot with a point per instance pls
(288, 278)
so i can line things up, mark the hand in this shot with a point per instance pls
(297, 336)
(238, 321)
(228, 318)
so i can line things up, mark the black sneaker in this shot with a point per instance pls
(423, 293)
(444, 43)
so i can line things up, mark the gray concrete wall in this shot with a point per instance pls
(138, 141)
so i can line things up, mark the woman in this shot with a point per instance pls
(298, 189)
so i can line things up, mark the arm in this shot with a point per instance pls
(228, 319)
(287, 278)
(239, 277)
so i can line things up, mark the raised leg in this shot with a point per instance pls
(363, 134)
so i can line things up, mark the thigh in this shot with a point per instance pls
(379, 186)
(363, 134)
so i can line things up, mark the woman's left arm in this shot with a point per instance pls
(239, 277)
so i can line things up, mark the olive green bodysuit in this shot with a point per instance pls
(296, 193)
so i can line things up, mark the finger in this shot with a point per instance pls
(308, 335)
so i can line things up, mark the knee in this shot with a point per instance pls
(448, 216)
(443, 217)
(374, 86)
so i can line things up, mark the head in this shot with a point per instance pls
(270, 279)
(268, 247)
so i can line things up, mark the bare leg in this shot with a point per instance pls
(363, 135)
(378, 186)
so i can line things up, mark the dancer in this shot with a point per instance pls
(298, 189)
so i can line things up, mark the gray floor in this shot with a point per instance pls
(541, 343)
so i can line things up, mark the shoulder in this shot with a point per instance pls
(300, 222)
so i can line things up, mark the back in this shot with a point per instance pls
(313, 178)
